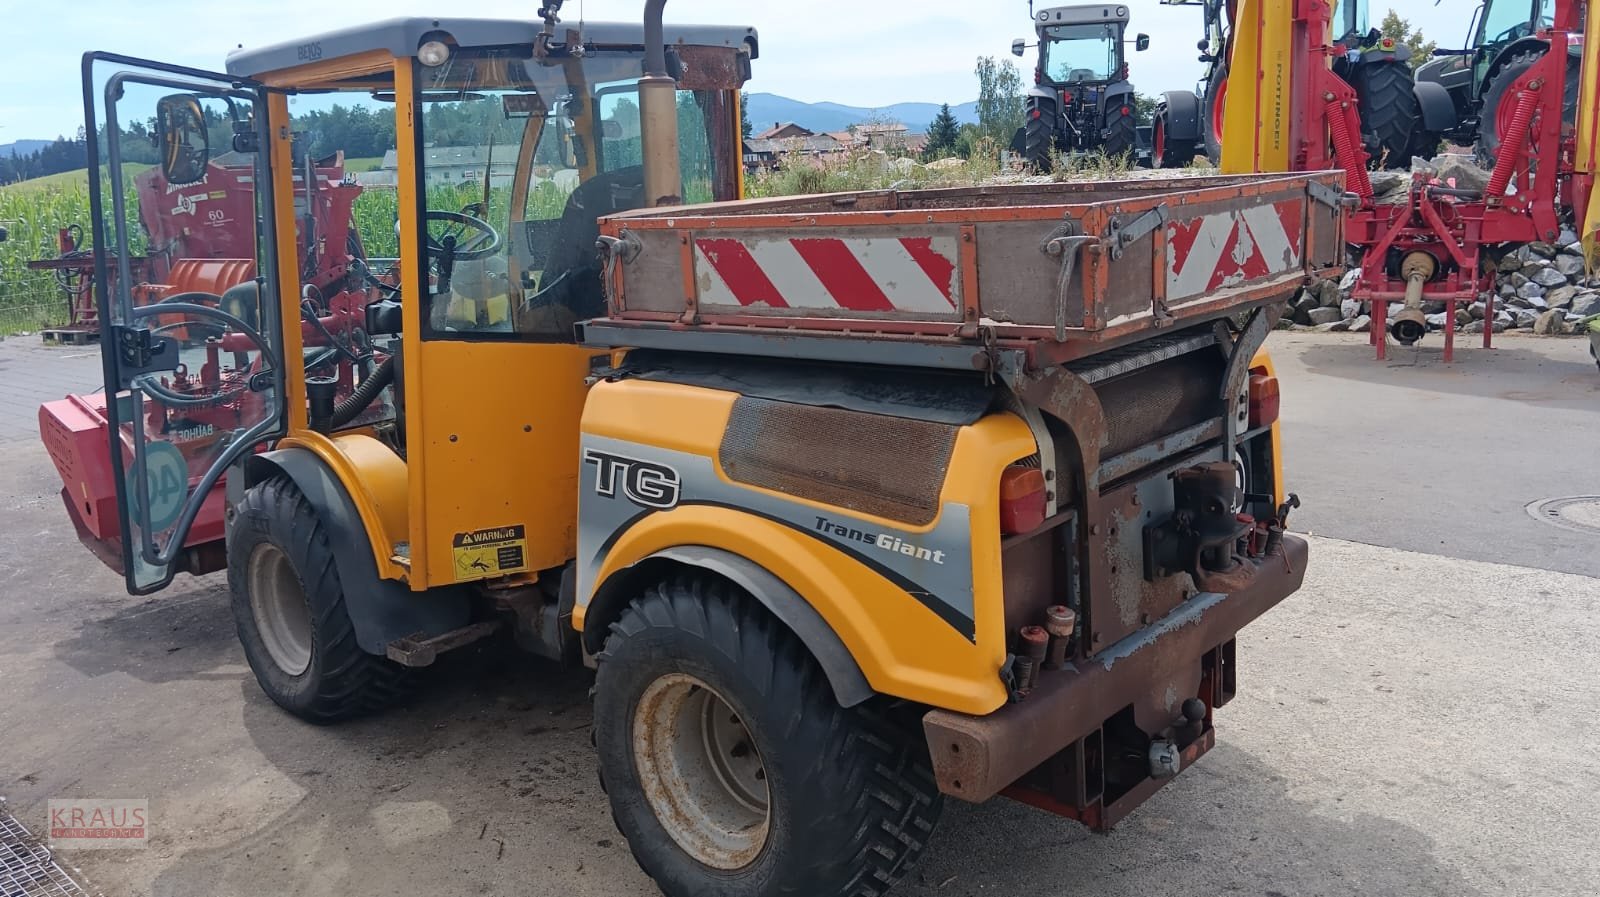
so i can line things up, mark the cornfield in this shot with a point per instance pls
(33, 215)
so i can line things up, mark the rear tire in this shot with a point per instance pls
(1390, 119)
(834, 801)
(1039, 143)
(1487, 149)
(1122, 130)
(1216, 95)
(289, 608)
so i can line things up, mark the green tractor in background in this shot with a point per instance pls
(1506, 37)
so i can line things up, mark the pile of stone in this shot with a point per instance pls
(1540, 288)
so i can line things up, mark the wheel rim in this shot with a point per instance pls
(1159, 144)
(701, 771)
(278, 604)
(1217, 117)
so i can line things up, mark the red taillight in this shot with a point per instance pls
(1126, 111)
(1036, 114)
(1022, 500)
(1263, 399)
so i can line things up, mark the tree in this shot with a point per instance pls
(746, 128)
(1000, 103)
(1401, 30)
(1144, 109)
(942, 134)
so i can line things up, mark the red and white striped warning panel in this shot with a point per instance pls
(861, 274)
(1217, 251)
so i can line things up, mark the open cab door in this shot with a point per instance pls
(182, 206)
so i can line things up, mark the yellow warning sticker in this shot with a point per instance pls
(490, 552)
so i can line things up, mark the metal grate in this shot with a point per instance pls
(26, 867)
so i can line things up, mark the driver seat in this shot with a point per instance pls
(571, 287)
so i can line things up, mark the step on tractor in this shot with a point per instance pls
(1504, 41)
(1438, 241)
(1398, 116)
(855, 504)
(1081, 100)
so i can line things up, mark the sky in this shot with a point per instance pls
(859, 53)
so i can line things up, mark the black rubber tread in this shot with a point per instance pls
(854, 801)
(1207, 106)
(1386, 98)
(1121, 130)
(1038, 143)
(1176, 153)
(343, 681)
(1487, 149)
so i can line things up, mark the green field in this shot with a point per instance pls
(366, 163)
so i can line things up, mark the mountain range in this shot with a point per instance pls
(767, 109)
(22, 147)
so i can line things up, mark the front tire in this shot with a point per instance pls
(289, 608)
(1215, 102)
(731, 769)
(1497, 114)
(1166, 152)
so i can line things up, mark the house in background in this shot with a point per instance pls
(449, 165)
(785, 130)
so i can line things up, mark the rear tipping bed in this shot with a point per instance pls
(1067, 269)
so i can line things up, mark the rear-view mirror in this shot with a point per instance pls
(1018, 47)
(181, 135)
(1141, 43)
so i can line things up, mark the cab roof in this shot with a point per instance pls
(402, 36)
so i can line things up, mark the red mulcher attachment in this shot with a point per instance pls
(206, 253)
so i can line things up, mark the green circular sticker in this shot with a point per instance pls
(166, 484)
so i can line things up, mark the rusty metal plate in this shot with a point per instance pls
(1577, 513)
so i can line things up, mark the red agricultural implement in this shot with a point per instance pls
(200, 249)
(1433, 245)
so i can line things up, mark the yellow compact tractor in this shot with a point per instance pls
(854, 502)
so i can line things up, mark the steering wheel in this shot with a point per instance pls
(465, 238)
(189, 306)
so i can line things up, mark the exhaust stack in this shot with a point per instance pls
(1411, 325)
(658, 114)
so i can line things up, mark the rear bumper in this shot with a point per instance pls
(1150, 672)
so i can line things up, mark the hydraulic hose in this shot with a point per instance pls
(1515, 140)
(364, 395)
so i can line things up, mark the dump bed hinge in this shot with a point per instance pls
(1331, 197)
(1124, 234)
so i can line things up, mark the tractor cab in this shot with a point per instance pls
(387, 230)
(1082, 46)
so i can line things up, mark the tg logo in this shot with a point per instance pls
(645, 483)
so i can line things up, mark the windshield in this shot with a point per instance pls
(519, 159)
(1073, 53)
(1507, 20)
